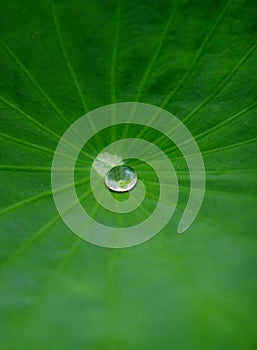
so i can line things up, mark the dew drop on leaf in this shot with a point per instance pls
(121, 178)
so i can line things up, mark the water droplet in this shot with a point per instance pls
(121, 178)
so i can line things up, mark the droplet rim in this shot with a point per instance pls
(131, 185)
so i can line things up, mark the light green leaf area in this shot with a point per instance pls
(190, 291)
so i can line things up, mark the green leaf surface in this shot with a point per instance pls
(61, 59)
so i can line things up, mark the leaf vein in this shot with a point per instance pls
(197, 56)
(68, 63)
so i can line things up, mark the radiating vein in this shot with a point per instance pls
(207, 190)
(50, 282)
(64, 262)
(37, 85)
(25, 168)
(34, 146)
(56, 272)
(40, 125)
(71, 70)
(26, 143)
(114, 54)
(213, 129)
(223, 83)
(197, 56)
(42, 92)
(38, 234)
(30, 118)
(223, 172)
(38, 197)
(226, 121)
(33, 168)
(155, 55)
(222, 148)
(69, 66)
(228, 147)
(176, 205)
(27, 244)
(151, 64)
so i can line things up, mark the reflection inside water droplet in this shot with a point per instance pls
(121, 178)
